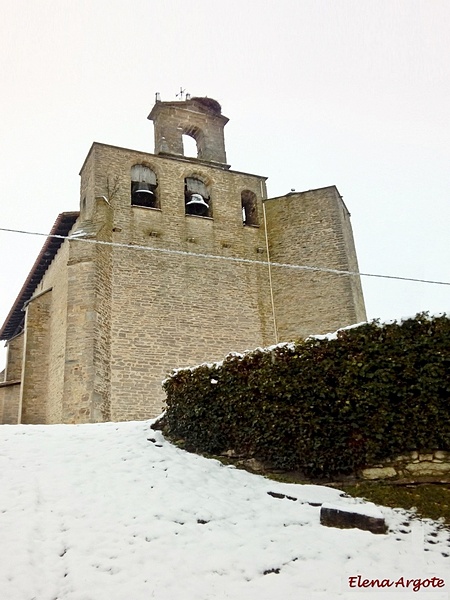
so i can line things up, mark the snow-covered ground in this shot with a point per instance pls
(114, 512)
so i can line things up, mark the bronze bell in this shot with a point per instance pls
(197, 206)
(143, 195)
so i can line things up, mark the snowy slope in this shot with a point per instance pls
(101, 512)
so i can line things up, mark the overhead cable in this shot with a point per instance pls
(78, 238)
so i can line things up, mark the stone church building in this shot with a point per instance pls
(171, 261)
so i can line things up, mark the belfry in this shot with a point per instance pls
(171, 261)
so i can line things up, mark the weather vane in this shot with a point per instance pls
(181, 93)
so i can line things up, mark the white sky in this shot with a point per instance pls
(101, 512)
(319, 92)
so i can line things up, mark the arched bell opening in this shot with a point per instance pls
(196, 198)
(143, 187)
(193, 142)
(249, 208)
(190, 148)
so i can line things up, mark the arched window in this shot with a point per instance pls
(143, 187)
(196, 198)
(249, 208)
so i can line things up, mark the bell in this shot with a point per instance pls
(143, 188)
(143, 195)
(197, 206)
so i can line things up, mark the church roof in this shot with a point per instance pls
(13, 323)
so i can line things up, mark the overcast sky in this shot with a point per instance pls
(353, 93)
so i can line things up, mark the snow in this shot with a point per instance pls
(114, 511)
(368, 509)
(334, 335)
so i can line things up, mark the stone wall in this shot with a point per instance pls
(313, 229)
(173, 119)
(34, 391)
(172, 310)
(101, 392)
(14, 360)
(55, 279)
(414, 466)
(79, 367)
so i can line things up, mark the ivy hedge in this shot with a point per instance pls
(325, 406)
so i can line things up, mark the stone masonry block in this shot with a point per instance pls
(366, 517)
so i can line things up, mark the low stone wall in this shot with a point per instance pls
(433, 465)
(411, 467)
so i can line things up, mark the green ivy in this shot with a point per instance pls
(324, 407)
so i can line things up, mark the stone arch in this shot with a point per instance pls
(197, 197)
(144, 184)
(198, 136)
(249, 207)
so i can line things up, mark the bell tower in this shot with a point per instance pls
(199, 118)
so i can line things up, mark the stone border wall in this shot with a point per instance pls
(433, 465)
(411, 467)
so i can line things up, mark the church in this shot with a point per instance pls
(170, 261)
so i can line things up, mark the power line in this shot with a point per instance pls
(78, 237)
